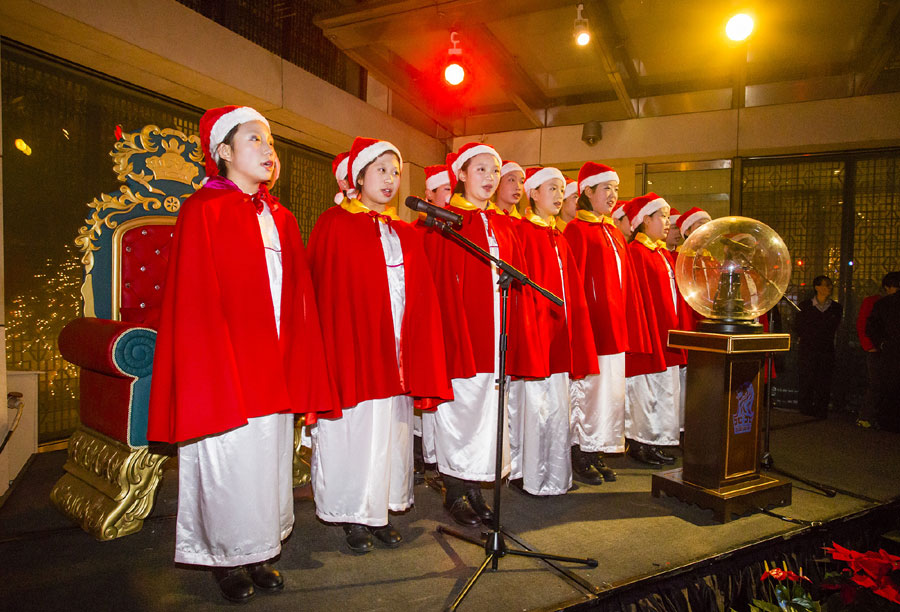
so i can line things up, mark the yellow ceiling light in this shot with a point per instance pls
(582, 33)
(739, 27)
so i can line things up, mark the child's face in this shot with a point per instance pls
(380, 181)
(624, 226)
(439, 196)
(511, 188)
(656, 226)
(251, 156)
(548, 197)
(604, 197)
(569, 207)
(673, 236)
(481, 178)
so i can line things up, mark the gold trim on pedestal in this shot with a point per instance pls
(302, 456)
(108, 488)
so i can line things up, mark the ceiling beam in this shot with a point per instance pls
(612, 55)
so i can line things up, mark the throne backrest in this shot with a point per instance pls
(125, 241)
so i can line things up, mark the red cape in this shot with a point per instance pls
(219, 359)
(566, 333)
(465, 290)
(350, 277)
(617, 309)
(652, 272)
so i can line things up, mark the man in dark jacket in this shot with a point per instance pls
(883, 328)
(815, 327)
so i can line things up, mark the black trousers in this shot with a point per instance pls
(888, 375)
(816, 371)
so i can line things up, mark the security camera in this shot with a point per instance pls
(592, 132)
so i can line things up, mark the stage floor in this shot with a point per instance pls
(49, 565)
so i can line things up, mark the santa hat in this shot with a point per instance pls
(510, 166)
(673, 215)
(618, 210)
(535, 177)
(643, 206)
(366, 150)
(435, 176)
(593, 173)
(339, 166)
(571, 188)
(690, 217)
(466, 152)
(214, 127)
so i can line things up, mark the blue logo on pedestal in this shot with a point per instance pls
(743, 418)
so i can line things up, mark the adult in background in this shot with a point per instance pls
(815, 327)
(882, 333)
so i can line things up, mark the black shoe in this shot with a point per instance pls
(663, 457)
(583, 468)
(389, 536)
(359, 538)
(641, 452)
(518, 484)
(608, 474)
(235, 583)
(479, 506)
(265, 577)
(461, 511)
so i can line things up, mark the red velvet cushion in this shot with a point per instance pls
(105, 401)
(145, 255)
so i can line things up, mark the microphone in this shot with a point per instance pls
(433, 211)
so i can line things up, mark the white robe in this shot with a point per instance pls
(465, 430)
(546, 447)
(235, 489)
(598, 407)
(598, 401)
(362, 464)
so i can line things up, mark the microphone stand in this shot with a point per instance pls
(493, 543)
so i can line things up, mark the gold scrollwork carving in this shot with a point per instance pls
(108, 488)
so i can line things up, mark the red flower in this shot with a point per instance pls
(776, 572)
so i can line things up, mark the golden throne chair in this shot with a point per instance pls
(111, 472)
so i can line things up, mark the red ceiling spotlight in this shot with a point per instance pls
(454, 72)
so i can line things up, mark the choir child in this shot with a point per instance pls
(466, 428)
(382, 329)
(566, 340)
(238, 352)
(617, 320)
(653, 385)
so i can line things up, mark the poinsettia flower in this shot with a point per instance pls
(776, 572)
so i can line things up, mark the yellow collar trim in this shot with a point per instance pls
(512, 212)
(537, 220)
(645, 240)
(592, 217)
(355, 206)
(459, 201)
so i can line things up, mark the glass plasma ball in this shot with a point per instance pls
(733, 270)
